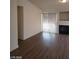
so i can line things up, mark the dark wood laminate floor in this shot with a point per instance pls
(44, 46)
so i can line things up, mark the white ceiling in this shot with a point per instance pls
(51, 5)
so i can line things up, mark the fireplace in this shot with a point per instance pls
(63, 29)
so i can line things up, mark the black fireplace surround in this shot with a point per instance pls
(64, 29)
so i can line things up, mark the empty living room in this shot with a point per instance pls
(39, 29)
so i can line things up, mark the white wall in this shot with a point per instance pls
(13, 26)
(32, 18)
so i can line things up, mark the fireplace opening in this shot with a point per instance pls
(64, 29)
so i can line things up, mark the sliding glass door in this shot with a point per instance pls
(49, 22)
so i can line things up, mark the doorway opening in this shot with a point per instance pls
(20, 23)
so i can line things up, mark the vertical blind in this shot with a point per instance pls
(49, 22)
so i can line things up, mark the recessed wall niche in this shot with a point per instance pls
(64, 16)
